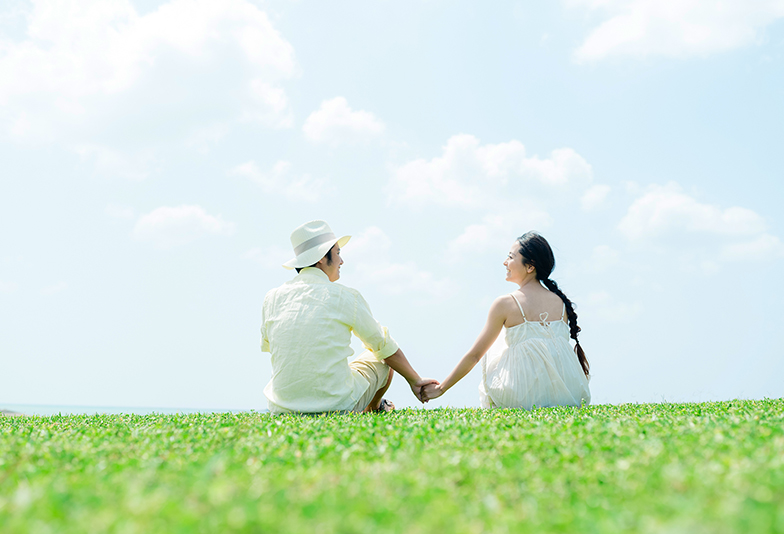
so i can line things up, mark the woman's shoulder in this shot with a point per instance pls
(504, 300)
(503, 304)
(501, 309)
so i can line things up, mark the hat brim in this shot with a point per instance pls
(313, 255)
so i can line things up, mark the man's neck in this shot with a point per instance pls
(315, 270)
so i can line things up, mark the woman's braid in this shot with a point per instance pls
(571, 315)
(536, 251)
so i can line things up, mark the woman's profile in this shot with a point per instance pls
(538, 366)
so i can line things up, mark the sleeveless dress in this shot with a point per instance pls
(535, 367)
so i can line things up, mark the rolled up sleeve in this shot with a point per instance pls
(265, 346)
(374, 337)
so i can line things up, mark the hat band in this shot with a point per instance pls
(313, 242)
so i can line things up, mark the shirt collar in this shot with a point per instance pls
(313, 272)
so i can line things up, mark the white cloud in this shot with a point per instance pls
(513, 191)
(594, 196)
(110, 162)
(96, 73)
(368, 256)
(54, 289)
(665, 209)
(268, 104)
(336, 123)
(763, 247)
(166, 226)
(472, 175)
(279, 180)
(675, 28)
(497, 232)
(703, 233)
(204, 137)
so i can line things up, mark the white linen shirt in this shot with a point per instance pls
(306, 325)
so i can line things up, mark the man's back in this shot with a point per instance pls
(306, 326)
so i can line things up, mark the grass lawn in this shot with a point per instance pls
(691, 468)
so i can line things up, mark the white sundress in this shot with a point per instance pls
(535, 367)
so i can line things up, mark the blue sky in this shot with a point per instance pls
(157, 155)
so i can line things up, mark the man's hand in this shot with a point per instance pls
(417, 388)
(400, 364)
(431, 391)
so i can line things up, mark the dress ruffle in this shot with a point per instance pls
(535, 366)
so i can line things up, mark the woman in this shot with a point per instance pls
(538, 367)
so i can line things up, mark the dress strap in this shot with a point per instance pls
(563, 311)
(518, 305)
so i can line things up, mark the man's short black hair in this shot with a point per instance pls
(328, 255)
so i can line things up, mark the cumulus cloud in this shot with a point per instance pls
(496, 232)
(664, 209)
(96, 72)
(280, 180)
(675, 28)
(369, 256)
(267, 104)
(166, 227)
(336, 123)
(707, 233)
(471, 175)
(763, 247)
(116, 163)
(511, 191)
(594, 196)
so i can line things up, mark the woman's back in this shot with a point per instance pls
(537, 366)
(533, 304)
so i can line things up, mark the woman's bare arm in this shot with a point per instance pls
(495, 320)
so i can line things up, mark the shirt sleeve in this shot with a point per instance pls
(375, 337)
(265, 346)
(264, 341)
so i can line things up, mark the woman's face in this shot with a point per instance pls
(515, 270)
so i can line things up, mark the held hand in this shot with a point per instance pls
(418, 387)
(432, 391)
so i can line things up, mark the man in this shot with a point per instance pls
(307, 325)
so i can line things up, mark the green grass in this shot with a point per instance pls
(691, 468)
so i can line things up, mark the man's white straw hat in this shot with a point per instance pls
(311, 242)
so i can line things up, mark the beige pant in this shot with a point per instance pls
(375, 372)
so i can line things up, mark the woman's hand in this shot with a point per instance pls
(431, 391)
(417, 388)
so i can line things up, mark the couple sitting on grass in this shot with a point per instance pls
(307, 325)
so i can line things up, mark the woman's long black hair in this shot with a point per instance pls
(536, 251)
